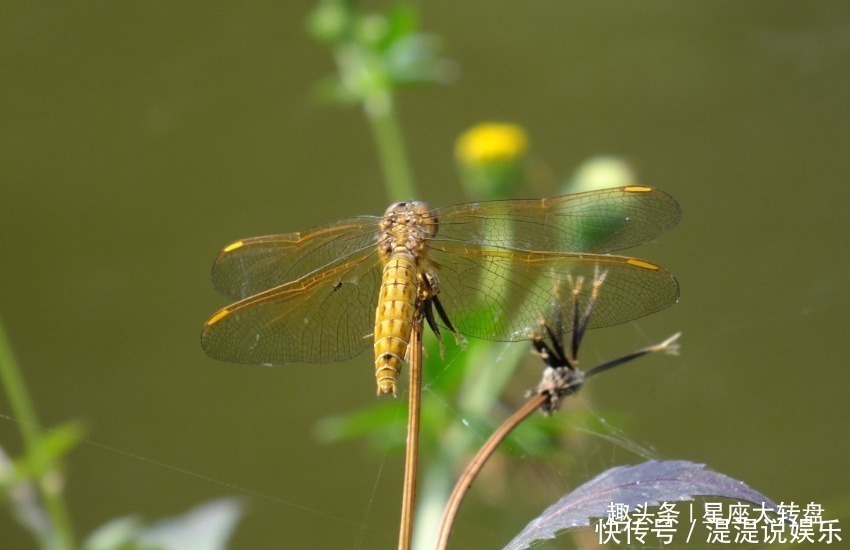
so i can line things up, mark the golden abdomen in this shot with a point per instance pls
(394, 319)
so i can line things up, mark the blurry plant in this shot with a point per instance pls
(32, 485)
(491, 159)
(601, 172)
(32, 488)
(376, 54)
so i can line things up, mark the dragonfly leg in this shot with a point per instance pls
(428, 309)
(459, 339)
(425, 304)
(429, 293)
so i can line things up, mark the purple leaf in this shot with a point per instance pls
(652, 482)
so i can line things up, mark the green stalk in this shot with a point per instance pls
(392, 153)
(48, 485)
(360, 70)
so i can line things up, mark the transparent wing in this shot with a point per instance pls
(251, 266)
(322, 317)
(595, 221)
(506, 295)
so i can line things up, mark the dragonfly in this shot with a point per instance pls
(489, 270)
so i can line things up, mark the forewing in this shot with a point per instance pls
(595, 221)
(251, 266)
(507, 295)
(322, 317)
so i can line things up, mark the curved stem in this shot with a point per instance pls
(477, 464)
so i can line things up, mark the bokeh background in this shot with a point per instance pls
(138, 138)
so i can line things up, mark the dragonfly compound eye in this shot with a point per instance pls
(424, 217)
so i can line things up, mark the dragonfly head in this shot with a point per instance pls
(411, 213)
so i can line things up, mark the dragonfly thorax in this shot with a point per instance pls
(407, 225)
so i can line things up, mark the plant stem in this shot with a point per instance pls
(392, 153)
(411, 459)
(49, 486)
(488, 369)
(474, 467)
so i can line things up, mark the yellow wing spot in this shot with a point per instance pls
(640, 263)
(234, 246)
(638, 189)
(218, 316)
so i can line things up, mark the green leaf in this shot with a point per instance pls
(415, 59)
(402, 21)
(52, 446)
(384, 423)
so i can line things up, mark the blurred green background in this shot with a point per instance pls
(139, 138)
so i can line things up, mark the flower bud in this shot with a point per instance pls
(491, 159)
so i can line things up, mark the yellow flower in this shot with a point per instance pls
(491, 143)
(491, 159)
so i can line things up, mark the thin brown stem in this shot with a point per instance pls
(411, 459)
(474, 467)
